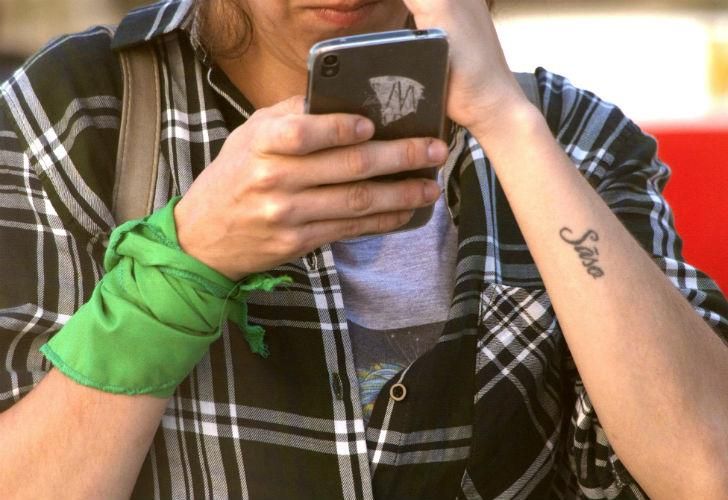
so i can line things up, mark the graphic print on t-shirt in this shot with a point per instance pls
(380, 355)
(397, 291)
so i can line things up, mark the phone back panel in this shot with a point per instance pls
(400, 86)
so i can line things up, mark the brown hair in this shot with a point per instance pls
(232, 37)
(227, 39)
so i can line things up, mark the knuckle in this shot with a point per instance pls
(266, 179)
(277, 212)
(360, 197)
(358, 161)
(292, 133)
(336, 131)
(352, 228)
(383, 223)
(409, 153)
(292, 242)
(342, 130)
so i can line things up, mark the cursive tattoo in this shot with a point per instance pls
(589, 255)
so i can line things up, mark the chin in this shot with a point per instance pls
(375, 16)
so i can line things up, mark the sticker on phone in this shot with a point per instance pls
(396, 96)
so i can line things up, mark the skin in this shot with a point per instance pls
(648, 357)
(643, 353)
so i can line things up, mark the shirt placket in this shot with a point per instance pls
(347, 414)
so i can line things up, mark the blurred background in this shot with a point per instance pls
(665, 62)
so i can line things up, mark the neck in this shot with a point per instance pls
(264, 73)
(265, 79)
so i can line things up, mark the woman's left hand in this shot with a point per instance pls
(481, 83)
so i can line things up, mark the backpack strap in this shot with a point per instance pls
(137, 157)
(529, 85)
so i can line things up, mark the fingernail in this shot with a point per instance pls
(364, 128)
(432, 191)
(437, 151)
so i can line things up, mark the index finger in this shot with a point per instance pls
(302, 134)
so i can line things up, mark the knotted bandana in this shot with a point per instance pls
(152, 317)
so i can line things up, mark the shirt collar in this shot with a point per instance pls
(152, 21)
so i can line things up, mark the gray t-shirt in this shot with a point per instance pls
(397, 292)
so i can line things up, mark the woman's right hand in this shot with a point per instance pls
(286, 183)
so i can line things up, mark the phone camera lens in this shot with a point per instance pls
(330, 71)
(330, 66)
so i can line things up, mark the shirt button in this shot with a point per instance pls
(398, 392)
(312, 262)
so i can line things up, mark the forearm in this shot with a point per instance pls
(654, 370)
(65, 440)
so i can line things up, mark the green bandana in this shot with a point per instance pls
(152, 317)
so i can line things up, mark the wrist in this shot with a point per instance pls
(187, 231)
(500, 124)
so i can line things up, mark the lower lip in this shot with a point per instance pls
(345, 17)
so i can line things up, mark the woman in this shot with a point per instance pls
(492, 406)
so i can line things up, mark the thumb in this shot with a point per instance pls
(292, 106)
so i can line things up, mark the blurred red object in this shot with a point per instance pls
(697, 192)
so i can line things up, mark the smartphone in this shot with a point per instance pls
(398, 79)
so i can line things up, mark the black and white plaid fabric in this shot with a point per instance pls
(495, 410)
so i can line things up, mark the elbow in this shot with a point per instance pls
(720, 489)
(710, 471)
(710, 480)
(713, 487)
(719, 482)
(709, 484)
(705, 477)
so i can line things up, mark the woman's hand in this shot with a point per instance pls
(286, 183)
(482, 86)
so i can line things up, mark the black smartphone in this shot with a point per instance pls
(398, 79)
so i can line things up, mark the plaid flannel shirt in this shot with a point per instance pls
(494, 409)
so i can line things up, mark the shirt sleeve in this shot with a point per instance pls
(621, 163)
(57, 147)
(633, 190)
(49, 269)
